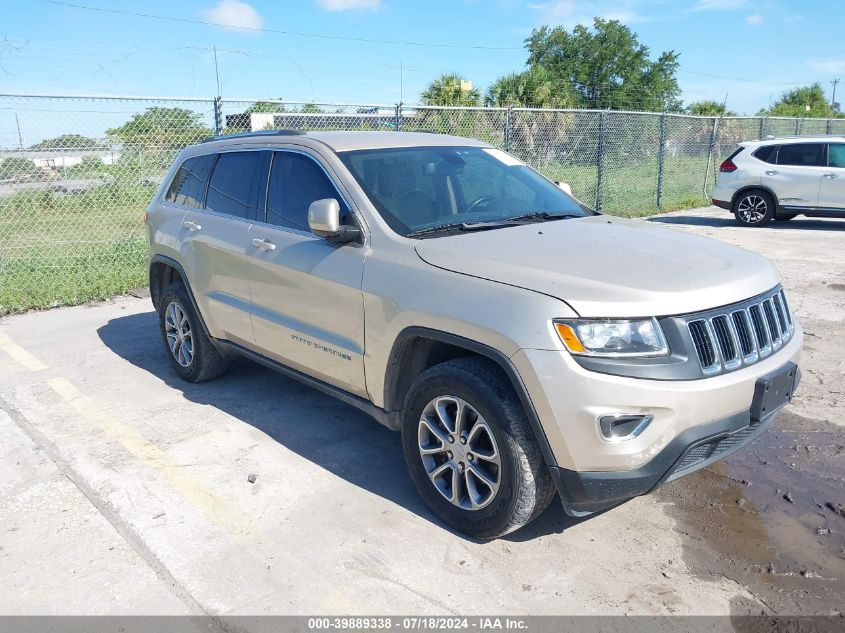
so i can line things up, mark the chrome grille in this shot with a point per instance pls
(741, 334)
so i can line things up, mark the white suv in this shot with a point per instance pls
(779, 178)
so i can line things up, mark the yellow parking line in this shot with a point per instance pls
(189, 488)
(19, 354)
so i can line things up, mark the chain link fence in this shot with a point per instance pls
(76, 173)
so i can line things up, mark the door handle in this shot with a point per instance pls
(829, 176)
(192, 226)
(264, 245)
(772, 172)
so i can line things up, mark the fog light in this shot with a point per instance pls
(623, 426)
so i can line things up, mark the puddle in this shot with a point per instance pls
(772, 517)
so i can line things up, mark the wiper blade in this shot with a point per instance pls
(493, 224)
(464, 226)
(451, 226)
(544, 215)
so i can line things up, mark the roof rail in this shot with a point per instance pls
(259, 133)
(772, 137)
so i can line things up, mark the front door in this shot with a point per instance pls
(832, 187)
(307, 304)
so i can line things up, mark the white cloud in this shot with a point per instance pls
(234, 15)
(830, 66)
(350, 5)
(718, 5)
(568, 13)
(755, 19)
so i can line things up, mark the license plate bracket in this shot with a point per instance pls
(773, 391)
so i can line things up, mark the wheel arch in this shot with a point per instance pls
(164, 271)
(748, 188)
(418, 348)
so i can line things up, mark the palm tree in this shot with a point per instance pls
(531, 88)
(451, 89)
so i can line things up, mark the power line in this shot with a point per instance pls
(750, 81)
(324, 36)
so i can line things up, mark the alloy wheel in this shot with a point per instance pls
(752, 209)
(459, 452)
(180, 340)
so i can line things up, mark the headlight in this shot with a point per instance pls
(617, 338)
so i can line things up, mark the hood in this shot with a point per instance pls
(604, 266)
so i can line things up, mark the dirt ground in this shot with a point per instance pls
(116, 476)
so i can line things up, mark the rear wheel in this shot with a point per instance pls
(188, 349)
(754, 208)
(470, 449)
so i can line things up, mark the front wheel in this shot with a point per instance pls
(470, 450)
(754, 208)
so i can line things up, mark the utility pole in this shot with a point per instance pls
(402, 81)
(833, 97)
(20, 138)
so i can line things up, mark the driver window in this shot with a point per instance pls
(295, 182)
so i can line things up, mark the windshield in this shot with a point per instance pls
(419, 188)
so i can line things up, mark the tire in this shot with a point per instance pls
(785, 217)
(492, 411)
(192, 354)
(754, 207)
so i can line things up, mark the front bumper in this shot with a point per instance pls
(587, 492)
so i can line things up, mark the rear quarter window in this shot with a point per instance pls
(767, 153)
(188, 185)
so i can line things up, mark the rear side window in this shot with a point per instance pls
(295, 182)
(836, 155)
(232, 185)
(188, 185)
(801, 154)
(767, 153)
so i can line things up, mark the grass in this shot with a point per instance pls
(68, 249)
(42, 280)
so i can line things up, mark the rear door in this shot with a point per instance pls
(307, 304)
(214, 243)
(832, 186)
(795, 177)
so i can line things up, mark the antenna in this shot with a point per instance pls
(20, 138)
(216, 70)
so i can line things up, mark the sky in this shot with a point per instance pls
(745, 51)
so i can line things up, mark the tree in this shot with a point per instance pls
(451, 89)
(311, 108)
(806, 101)
(68, 141)
(158, 127)
(707, 107)
(265, 107)
(534, 87)
(14, 168)
(607, 67)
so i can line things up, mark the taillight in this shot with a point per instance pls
(727, 166)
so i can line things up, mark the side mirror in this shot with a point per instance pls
(565, 186)
(324, 221)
